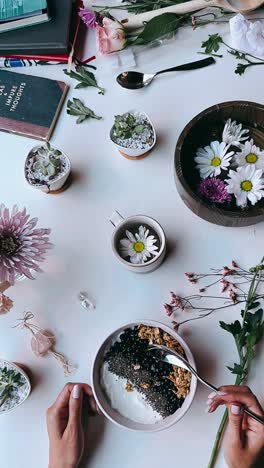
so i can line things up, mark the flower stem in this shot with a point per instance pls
(220, 432)
(218, 439)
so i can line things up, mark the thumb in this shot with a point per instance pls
(75, 406)
(236, 415)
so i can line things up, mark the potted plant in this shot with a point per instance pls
(15, 386)
(47, 168)
(133, 134)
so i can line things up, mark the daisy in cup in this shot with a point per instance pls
(250, 155)
(213, 159)
(139, 247)
(234, 134)
(246, 183)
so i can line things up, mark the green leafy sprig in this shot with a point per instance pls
(85, 78)
(247, 334)
(78, 109)
(10, 380)
(212, 45)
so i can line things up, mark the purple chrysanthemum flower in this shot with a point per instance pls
(88, 17)
(214, 190)
(21, 246)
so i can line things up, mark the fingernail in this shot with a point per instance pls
(208, 409)
(212, 395)
(209, 401)
(76, 392)
(221, 393)
(236, 409)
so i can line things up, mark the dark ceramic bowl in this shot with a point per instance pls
(205, 127)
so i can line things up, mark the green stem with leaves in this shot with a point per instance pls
(246, 336)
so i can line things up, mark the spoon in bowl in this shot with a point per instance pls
(172, 357)
(136, 80)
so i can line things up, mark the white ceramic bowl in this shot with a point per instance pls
(102, 400)
(121, 224)
(19, 369)
(134, 153)
(55, 184)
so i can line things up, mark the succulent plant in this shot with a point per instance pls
(9, 381)
(48, 162)
(125, 126)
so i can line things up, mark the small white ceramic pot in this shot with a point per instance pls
(102, 400)
(27, 390)
(53, 185)
(121, 224)
(135, 153)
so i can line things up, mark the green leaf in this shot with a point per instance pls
(139, 129)
(240, 69)
(158, 27)
(85, 77)
(212, 44)
(237, 369)
(233, 328)
(253, 305)
(78, 109)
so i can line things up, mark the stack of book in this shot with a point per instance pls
(54, 26)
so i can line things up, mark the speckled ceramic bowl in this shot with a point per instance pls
(102, 400)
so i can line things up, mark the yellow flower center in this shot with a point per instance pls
(139, 247)
(246, 185)
(215, 162)
(251, 158)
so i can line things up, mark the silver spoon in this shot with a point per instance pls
(172, 357)
(136, 80)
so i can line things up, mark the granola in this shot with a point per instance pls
(181, 378)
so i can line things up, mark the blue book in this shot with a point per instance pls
(16, 14)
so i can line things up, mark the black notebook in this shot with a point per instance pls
(47, 38)
(29, 105)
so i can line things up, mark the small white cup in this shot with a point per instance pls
(121, 224)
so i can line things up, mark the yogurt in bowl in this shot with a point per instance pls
(132, 388)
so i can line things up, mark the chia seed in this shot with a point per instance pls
(129, 358)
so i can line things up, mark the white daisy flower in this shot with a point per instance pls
(250, 155)
(213, 159)
(139, 247)
(234, 134)
(246, 183)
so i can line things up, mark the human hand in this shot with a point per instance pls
(64, 423)
(244, 438)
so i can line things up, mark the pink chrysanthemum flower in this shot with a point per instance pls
(22, 246)
(88, 17)
(214, 190)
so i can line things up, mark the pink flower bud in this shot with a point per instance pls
(168, 309)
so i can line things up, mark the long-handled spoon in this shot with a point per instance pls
(237, 6)
(136, 80)
(172, 357)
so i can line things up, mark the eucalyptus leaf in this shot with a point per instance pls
(158, 27)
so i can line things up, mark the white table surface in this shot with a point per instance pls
(82, 257)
